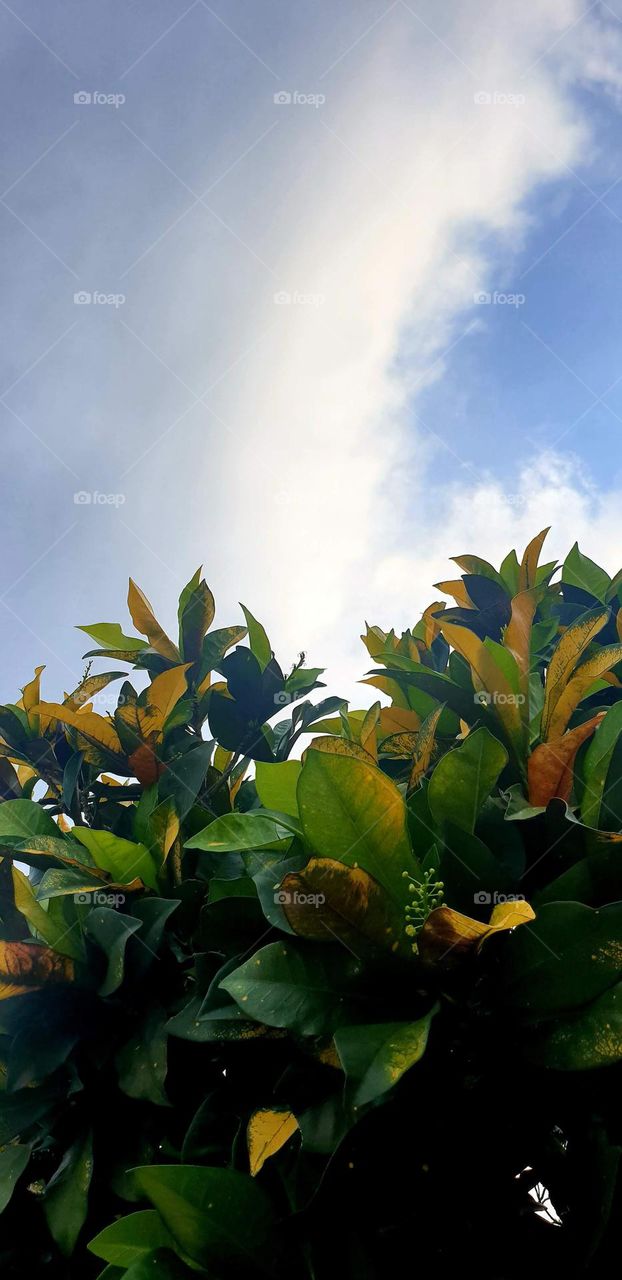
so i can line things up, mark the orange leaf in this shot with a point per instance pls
(27, 967)
(550, 766)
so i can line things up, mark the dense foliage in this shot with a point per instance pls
(327, 1016)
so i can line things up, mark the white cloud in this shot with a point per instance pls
(391, 193)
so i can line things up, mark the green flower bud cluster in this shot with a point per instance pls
(426, 895)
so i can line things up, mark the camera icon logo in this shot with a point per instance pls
(81, 498)
(82, 99)
(82, 899)
(82, 298)
(283, 298)
(282, 699)
(282, 99)
(483, 698)
(482, 99)
(282, 897)
(482, 298)
(482, 898)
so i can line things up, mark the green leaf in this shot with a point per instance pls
(22, 1108)
(592, 1037)
(276, 785)
(259, 643)
(184, 777)
(235, 832)
(352, 812)
(216, 1216)
(13, 1161)
(464, 778)
(24, 818)
(66, 1199)
(569, 955)
(142, 1063)
(130, 1238)
(215, 645)
(71, 773)
(580, 571)
(42, 924)
(374, 1057)
(111, 931)
(110, 636)
(196, 614)
(596, 765)
(122, 858)
(305, 990)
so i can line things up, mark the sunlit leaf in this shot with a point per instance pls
(464, 777)
(565, 657)
(447, 934)
(92, 730)
(145, 621)
(266, 1132)
(259, 643)
(124, 859)
(352, 812)
(110, 636)
(276, 785)
(580, 571)
(579, 685)
(527, 577)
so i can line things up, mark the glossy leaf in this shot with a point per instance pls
(464, 777)
(304, 990)
(215, 1216)
(353, 813)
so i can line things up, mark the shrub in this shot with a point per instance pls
(324, 1016)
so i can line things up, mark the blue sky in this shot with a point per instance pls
(324, 455)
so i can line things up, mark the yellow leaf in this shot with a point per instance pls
(267, 1132)
(487, 676)
(376, 641)
(570, 648)
(86, 690)
(422, 753)
(389, 686)
(457, 588)
(432, 628)
(529, 564)
(164, 693)
(368, 737)
(31, 696)
(517, 639)
(222, 758)
(145, 621)
(587, 673)
(447, 933)
(397, 720)
(333, 746)
(96, 730)
(25, 967)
